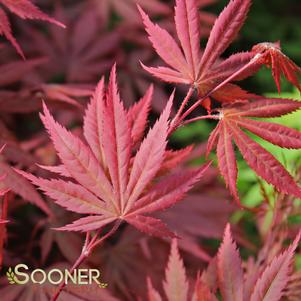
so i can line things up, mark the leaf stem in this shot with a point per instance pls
(87, 249)
(216, 117)
(181, 109)
(179, 120)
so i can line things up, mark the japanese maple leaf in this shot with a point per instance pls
(231, 122)
(279, 63)
(188, 65)
(25, 9)
(109, 183)
(176, 283)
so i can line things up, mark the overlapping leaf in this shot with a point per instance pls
(270, 286)
(189, 66)
(225, 273)
(110, 183)
(229, 130)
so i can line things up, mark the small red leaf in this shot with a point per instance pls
(176, 284)
(230, 273)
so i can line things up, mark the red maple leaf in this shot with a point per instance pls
(111, 184)
(202, 71)
(231, 122)
(280, 64)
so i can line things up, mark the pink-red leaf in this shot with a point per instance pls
(18, 184)
(138, 115)
(169, 190)
(166, 74)
(5, 29)
(176, 284)
(275, 133)
(77, 158)
(116, 139)
(27, 10)
(165, 45)
(152, 294)
(69, 195)
(224, 31)
(88, 223)
(264, 163)
(230, 273)
(270, 286)
(93, 122)
(149, 225)
(226, 159)
(267, 107)
(187, 21)
(150, 156)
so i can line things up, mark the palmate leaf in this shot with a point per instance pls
(188, 66)
(229, 130)
(112, 179)
(176, 283)
(279, 63)
(25, 9)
